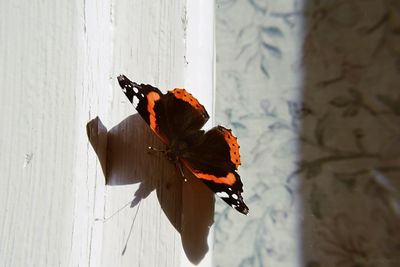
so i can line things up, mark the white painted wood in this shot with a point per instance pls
(58, 69)
(148, 48)
(199, 75)
(42, 124)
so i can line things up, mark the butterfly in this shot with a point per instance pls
(177, 118)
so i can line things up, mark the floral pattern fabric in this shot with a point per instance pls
(312, 90)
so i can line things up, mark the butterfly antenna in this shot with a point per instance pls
(130, 231)
(105, 219)
(179, 165)
(156, 149)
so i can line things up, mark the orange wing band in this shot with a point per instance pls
(189, 98)
(152, 97)
(233, 147)
(229, 179)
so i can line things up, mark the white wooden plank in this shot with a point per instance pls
(93, 97)
(148, 48)
(57, 61)
(39, 75)
(199, 79)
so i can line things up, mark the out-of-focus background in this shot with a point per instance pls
(312, 89)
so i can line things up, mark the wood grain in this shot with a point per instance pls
(39, 75)
(58, 69)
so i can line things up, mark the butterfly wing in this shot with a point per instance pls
(181, 116)
(145, 98)
(172, 116)
(214, 160)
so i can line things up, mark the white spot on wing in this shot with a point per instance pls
(234, 196)
(135, 90)
(135, 101)
(222, 194)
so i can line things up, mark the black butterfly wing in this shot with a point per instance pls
(144, 98)
(172, 116)
(215, 160)
(181, 117)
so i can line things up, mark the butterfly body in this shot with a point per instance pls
(177, 118)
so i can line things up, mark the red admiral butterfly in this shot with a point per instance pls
(177, 118)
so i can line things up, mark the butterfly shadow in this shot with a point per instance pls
(126, 159)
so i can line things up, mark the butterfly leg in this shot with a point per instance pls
(153, 149)
(179, 170)
(178, 164)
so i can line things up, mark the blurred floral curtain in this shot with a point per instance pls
(312, 90)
